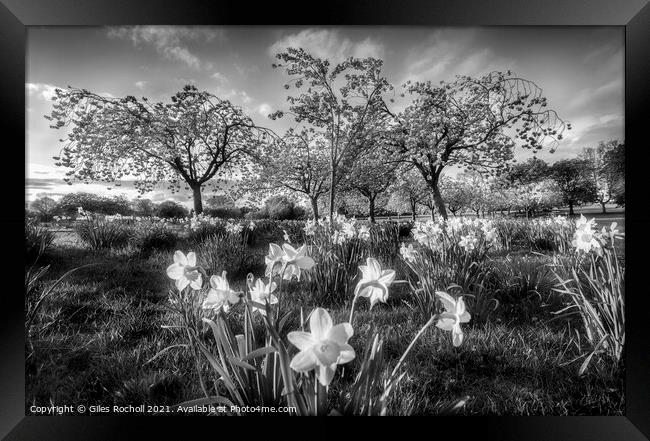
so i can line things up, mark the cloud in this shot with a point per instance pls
(220, 78)
(171, 42)
(450, 52)
(141, 84)
(41, 90)
(263, 109)
(328, 44)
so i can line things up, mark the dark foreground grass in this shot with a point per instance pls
(96, 337)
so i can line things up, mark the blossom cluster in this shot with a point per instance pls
(588, 238)
(467, 233)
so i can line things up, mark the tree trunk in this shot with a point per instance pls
(437, 198)
(371, 208)
(602, 204)
(332, 191)
(571, 209)
(413, 208)
(314, 207)
(196, 196)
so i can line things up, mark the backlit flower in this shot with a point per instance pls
(295, 261)
(408, 253)
(261, 293)
(584, 238)
(220, 294)
(364, 232)
(184, 271)
(323, 348)
(234, 228)
(273, 260)
(468, 242)
(374, 282)
(455, 314)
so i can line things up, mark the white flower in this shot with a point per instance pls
(310, 227)
(234, 228)
(295, 261)
(455, 314)
(220, 294)
(323, 348)
(374, 282)
(286, 236)
(468, 242)
(184, 271)
(261, 293)
(408, 253)
(584, 238)
(251, 225)
(273, 260)
(363, 232)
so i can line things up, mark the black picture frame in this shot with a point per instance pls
(634, 15)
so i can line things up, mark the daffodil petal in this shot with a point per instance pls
(320, 324)
(387, 277)
(191, 258)
(347, 354)
(304, 361)
(302, 340)
(180, 258)
(448, 301)
(182, 283)
(326, 374)
(175, 271)
(341, 333)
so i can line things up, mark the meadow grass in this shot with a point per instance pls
(98, 335)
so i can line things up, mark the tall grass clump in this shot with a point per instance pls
(154, 235)
(38, 240)
(226, 251)
(102, 232)
(595, 283)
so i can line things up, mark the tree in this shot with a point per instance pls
(536, 196)
(604, 178)
(45, 208)
(456, 194)
(614, 168)
(532, 170)
(189, 140)
(371, 176)
(143, 207)
(573, 180)
(297, 163)
(343, 102)
(473, 123)
(408, 191)
(93, 203)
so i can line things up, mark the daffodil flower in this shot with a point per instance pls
(323, 348)
(455, 314)
(262, 292)
(184, 271)
(374, 282)
(408, 253)
(220, 294)
(273, 259)
(295, 261)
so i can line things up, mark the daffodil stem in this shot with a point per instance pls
(354, 300)
(418, 335)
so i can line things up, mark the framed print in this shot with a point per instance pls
(385, 209)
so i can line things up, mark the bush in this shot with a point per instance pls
(99, 233)
(37, 241)
(93, 203)
(225, 251)
(224, 212)
(170, 210)
(150, 236)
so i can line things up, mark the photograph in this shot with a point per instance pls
(325, 220)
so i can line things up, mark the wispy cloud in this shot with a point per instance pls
(171, 42)
(40, 90)
(329, 44)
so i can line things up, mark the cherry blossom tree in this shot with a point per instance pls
(408, 191)
(473, 123)
(297, 163)
(343, 102)
(192, 139)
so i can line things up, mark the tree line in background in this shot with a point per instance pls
(349, 148)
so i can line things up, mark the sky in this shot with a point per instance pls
(580, 69)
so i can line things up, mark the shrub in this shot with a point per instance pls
(93, 203)
(170, 210)
(150, 236)
(225, 251)
(37, 241)
(224, 212)
(99, 233)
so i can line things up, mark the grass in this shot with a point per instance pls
(101, 329)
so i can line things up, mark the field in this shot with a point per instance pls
(107, 334)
